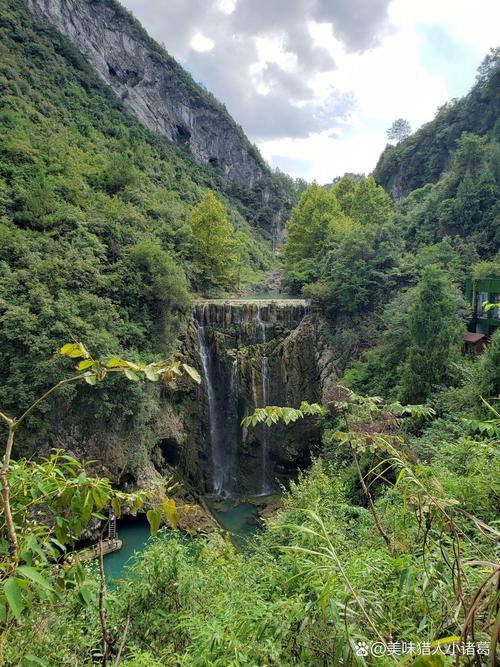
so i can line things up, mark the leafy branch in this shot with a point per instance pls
(61, 483)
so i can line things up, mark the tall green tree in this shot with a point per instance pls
(155, 291)
(215, 258)
(345, 190)
(399, 130)
(316, 222)
(488, 376)
(434, 338)
(359, 272)
(371, 205)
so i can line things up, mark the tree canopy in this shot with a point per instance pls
(215, 257)
(399, 130)
(434, 338)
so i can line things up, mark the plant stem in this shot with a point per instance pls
(106, 638)
(124, 638)
(380, 529)
(7, 512)
(13, 425)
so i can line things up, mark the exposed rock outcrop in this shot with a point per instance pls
(254, 353)
(161, 94)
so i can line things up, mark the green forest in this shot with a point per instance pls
(108, 237)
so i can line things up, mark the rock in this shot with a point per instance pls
(270, 511)
(260, 352)
(162, 95)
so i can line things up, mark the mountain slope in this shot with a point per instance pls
(426, 154)
(93, 240)
(163, 96)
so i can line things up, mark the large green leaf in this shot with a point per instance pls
(117, 362)
(151, 373)
(115, 504)
(192, 372)
(100, 496)
(154, 518)
(170, 511)
(34, 575)
(74, 351)
(85, 595)
(86, 363)
(14, 596)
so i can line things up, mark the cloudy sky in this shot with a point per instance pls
(316, 83)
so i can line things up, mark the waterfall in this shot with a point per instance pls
(233, 404)
(220, 470)
(238, 343)
(265, 488)
(260, 326)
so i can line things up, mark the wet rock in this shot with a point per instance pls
(281, 358)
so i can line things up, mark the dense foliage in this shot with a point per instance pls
(45, 505)
(425, 155)
(105, 229)
(463, 204)
(447, 174)
(342, 245)
(320, 578)
(215, 260)
(94, 234)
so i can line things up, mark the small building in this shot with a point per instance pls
(479, 292)
(473, 343)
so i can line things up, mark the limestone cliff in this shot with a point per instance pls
(163, 96)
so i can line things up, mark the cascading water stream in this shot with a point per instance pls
(265, 487)
(236, 341)
(232, 401)
(260, 326)
(219, 470)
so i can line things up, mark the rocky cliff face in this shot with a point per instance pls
(251, 354)
(154, 87)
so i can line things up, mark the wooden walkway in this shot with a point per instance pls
(108, 547)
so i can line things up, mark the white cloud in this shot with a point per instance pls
(387, 82)
(475, 23)
(201, 43)
(226, 6)
(317, 84)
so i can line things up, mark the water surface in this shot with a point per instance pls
(240, 521)
(135, 535)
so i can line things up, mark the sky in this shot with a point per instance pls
(316, 83)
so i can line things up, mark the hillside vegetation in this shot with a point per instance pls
(94, 236)
(390, 538)
(426, 154)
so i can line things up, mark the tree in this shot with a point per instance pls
(155, 291)
(434, 338)
(399, 130)
(371, 205)
(359, 272)
(345, 190)
(488, 375)
(489, 66)
(315, 223)
(215, 259)
(470, 155)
